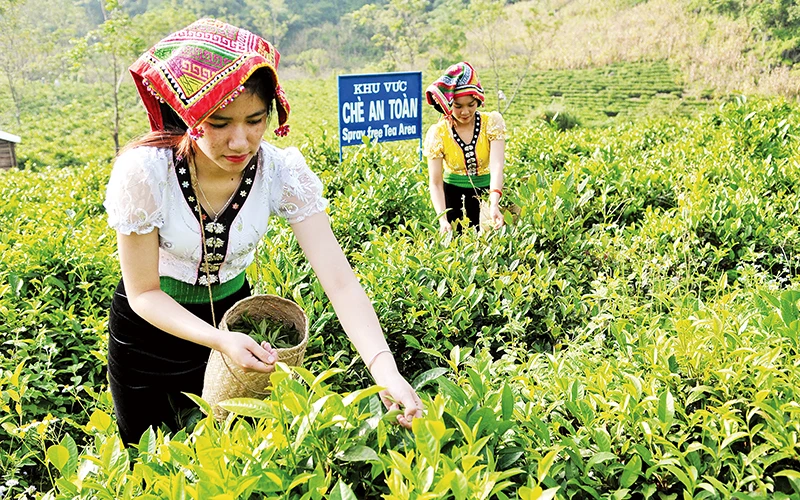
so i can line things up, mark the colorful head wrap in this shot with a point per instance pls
(201, 68)
(458, 80)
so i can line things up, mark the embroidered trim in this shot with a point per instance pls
(196, 133)
(217, 230)
(470, 156)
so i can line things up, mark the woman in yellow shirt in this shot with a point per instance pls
(465, 149)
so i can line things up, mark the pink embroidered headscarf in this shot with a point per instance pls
(201, 68)
(458, 80)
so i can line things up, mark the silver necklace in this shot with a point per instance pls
(214, 213)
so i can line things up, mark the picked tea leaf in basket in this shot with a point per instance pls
(283, 320)
(276, 333)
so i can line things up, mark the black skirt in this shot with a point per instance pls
(463, 202)
(148, 368)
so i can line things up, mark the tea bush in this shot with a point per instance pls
(57, 273)
(632, 334)
(79, 123)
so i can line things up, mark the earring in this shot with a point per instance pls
(196, 133)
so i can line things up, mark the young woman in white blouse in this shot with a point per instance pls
(190, 201)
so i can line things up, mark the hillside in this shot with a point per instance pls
(712, 51)
(592, 62)
(632, 333)
(603, 58)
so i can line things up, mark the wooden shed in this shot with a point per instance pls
(8, 156)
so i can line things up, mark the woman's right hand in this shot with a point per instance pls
(247, 353)
(445, 226)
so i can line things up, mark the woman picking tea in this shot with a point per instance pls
(189, 202)
(465, 150)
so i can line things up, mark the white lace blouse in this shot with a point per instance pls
(145, 192)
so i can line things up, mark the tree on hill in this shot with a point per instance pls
(775, 19)
(272, 19)
(508, 44)
(33, 34)
(108, 50)
(316, 12)
(399, 29)
(13, 36)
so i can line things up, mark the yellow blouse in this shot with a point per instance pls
(440, 143)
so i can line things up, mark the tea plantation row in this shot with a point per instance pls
(634, 334)
(598, 95)
(82, 114)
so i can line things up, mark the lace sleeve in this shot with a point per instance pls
(496, 127)
(433, 146)
(296, 191)
(134, 195)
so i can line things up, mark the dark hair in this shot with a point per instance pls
(440, 110)
(262, 83)
(175, 136)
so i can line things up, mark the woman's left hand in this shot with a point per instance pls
(399, 395)
(496, 215)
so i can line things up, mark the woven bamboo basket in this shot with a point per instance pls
(224, 379)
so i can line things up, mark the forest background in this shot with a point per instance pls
(60, 54)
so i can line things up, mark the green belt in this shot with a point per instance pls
(185, 293)
(463, 181)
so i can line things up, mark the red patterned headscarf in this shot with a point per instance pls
(458, 80)
(202, 67)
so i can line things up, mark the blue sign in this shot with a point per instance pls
(381, 106)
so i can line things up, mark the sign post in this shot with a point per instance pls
(381, 106)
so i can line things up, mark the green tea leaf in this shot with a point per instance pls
(178, 489)
(598, 458)
(391, 416)
(427, 444)
(356, 396)
(459, 485)
(200, 402)
(359, 453)
(631, 472)
(325, 375)
(245, 484)
(733, 437)
(248, 407)
(58, 456)
(450, 389)
(536, 493)
(543, 467)
(342, 490)
(666, 407)
(99, 421)
(72, 464)
(428, 376)
(793, 477)
(507, 403)
(673, 364)
(147, 443)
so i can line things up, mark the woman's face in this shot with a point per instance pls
(231, 136)
(464, 109)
